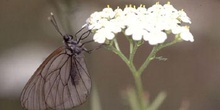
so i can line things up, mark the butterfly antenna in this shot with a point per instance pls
(53, 21)
(79, 31)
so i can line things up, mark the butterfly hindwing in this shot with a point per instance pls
(61, 82)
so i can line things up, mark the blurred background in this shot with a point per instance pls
(191, 74)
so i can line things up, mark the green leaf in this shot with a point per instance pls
(132, 99)
(157, 102)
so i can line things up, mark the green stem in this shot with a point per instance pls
(139, 91)
(153, 53)
(150, 57)
(137, 73)
(124, 58)
(176, 40)
(133, 48)
(116, 45)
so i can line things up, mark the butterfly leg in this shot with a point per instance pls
(91, 50)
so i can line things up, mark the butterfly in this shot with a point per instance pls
(62, 81)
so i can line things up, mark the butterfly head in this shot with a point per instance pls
(67, 38)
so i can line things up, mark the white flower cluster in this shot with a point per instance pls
(150, 24)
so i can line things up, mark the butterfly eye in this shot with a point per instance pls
(71, 36)
(67, 37)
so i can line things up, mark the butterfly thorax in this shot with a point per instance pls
(74, 46)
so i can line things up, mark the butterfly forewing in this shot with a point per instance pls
(61, 82)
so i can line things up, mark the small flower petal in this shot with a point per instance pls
(110, 35)
(98, 38)
(155, 37)
(186, 34)
(137, 36)
(184, 17)
(108, 13)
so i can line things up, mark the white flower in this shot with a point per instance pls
(186, 35)
(184, 17)
(141, 10)
(155, 37)
(108, 12)
(98, 37)
(155, 9)
(115, 26)
(129, 10)
(152, 24)
(119, 12)
(93, 20)
(170, 10)
(101, 35)
(136, 32)
(176, 29)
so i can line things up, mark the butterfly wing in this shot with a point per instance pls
(61, 82)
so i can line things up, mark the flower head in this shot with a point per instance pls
(140, 23)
